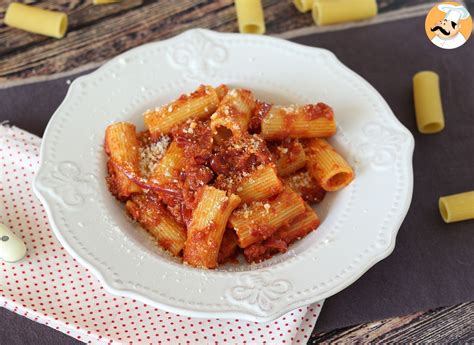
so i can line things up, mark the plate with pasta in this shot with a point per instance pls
(196, 175)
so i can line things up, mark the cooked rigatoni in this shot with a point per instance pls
(122, 147)
(207, 227)
(198, 105)
(330, 170)
(307, 121)
(428, 105)
(299, 227)
(303, 5)
(152, 216)
(457, 207)
(168, 169)
(104, 2)
(289, 157)
(233, 114)
(221, 91)
(283, 237)
(218, 173)
(250, 16)
(306, 186)
(258, 220)
(262, 183)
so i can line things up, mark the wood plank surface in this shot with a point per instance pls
(98, 33)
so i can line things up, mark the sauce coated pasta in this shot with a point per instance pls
(218, 173)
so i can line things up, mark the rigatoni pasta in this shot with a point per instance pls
(151, 214)
(428, 106)
(457, 207)
(257, 221)
(207, 227)
(36, 20)
(250, 16)
(217, 173)
(308, 121)
(121, 145)
(303, 5)
(278, 243)
(330, 170)
(233, 114)
(326, 12)
(289, 157)
(199, 105)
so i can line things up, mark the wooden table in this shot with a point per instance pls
(97, 33)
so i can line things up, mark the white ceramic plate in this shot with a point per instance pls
(359, 223)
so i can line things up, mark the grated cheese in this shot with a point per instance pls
(300, 180)
(152, 154)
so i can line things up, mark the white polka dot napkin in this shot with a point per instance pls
(50, 287)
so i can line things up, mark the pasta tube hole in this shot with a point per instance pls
(253, 29)
(339, 179)
(444, 210)
(223, 133)
(433, 127)
(316, 13)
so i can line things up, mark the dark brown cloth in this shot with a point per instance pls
(433, 263)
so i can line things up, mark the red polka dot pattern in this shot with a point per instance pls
(50, 287)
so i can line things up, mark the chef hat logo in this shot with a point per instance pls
(448, 25)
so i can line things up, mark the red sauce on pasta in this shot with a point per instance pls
(316, 111)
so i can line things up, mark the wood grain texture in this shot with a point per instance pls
(98, 33)
(80, 13)
(442, 325)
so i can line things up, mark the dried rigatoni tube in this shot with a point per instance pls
(283, 237)
(250, 16)
(207, 227)
(428, 106)
(262, 183)
(258, 220)
(330, 170)
(229, 246)
(457, 207)
(303, 5)
(233, 114)
(122, 147)
(152, 216)
(198, 105)
(308, 121)
(326, 12)
(36, 20)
